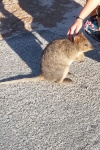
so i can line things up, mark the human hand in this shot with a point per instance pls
(74, 29)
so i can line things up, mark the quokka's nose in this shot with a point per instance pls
(92, 47)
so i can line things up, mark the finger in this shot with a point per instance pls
(72, 30)
(77, 30)
(69, 35)
(68, 32)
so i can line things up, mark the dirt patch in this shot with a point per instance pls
(21, 15)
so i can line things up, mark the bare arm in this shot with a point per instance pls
(88, 8)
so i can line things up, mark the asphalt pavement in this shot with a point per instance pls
(44, 115)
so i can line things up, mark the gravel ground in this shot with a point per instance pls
(39, 116)
(46, 116)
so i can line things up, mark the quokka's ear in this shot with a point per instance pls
(76, 39)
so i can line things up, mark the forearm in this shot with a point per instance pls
(88, 8)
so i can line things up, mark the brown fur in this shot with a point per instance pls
(57, 58)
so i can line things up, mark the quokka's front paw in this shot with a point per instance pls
(81, 61)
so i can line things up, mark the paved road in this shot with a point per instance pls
(45, 116)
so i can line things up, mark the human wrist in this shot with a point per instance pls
(78, 17)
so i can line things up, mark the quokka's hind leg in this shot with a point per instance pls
(63, 78)
(67, 80)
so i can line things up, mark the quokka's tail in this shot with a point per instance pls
(34, 79)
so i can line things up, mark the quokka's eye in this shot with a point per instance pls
(85, 44)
